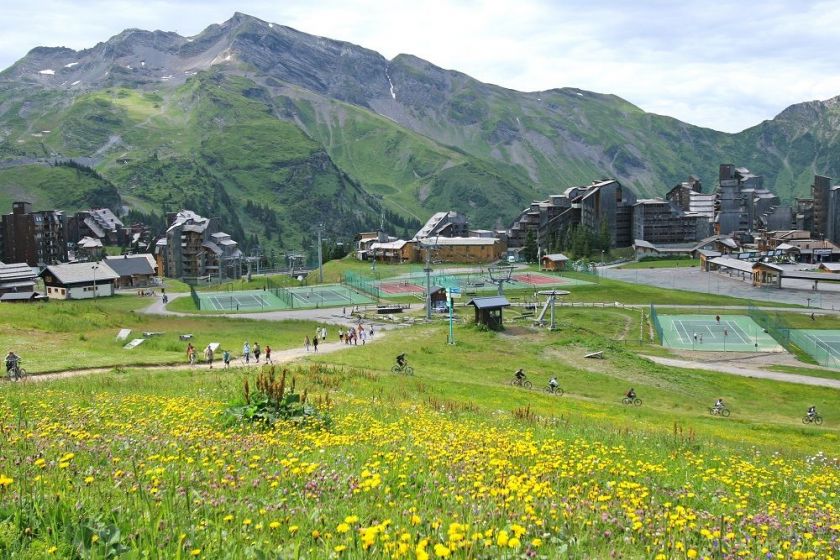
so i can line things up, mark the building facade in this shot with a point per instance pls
(79, 280)
(97, 223)
(194, 248)
(36, 238)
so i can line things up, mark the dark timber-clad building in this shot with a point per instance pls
(36, 238)
(589, 206)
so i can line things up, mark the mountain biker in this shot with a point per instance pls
(812, 411)
(552, 384)
(631, 394)
(719, 404)
(520, 375)
(401, 360)
(12, 361)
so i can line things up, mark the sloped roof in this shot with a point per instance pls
(130, 265)
(76, 273)
(492, 302)
(556, 257)
(432, 241)
(90, 243)
(16, 272)
(728, 262)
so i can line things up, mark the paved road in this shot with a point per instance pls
(694, 280)
(748, 372)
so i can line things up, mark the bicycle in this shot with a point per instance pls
(554, 391)
(816, 419)
(405, 369)
(16, 373)
(634, 401)
(720, 411)
(521, 383)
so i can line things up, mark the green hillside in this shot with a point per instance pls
(55, 186)
(273, 131)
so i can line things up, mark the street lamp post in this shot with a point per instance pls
(94, 268)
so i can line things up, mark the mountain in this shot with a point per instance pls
(274, 131)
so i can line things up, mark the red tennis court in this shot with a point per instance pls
(536, 279)
(400, 288)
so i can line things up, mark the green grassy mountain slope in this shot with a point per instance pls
(249, 115)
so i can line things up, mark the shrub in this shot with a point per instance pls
(272, 401)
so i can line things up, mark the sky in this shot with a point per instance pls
(724, 64)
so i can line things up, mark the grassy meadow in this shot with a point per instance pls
(64, 335)
(452, 462)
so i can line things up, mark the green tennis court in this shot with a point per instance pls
(275, 299)
(326, 295)
(248, 300)
(821, 344)
(733, 333)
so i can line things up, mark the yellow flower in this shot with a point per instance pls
(52, 550)
(228, 518)
(513, 543)
(274, 525)
(415, 519)
(5, 480)
(41, 463)
(342, 528)
(88, 479)
(195, 552)
(502, 538)
(293, 529)
(536, 543)
(316, 534)
(350, 519)
(442, 551)
(691, 553)
(340, 548)
(246, 522)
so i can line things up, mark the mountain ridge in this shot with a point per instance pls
(414, 137)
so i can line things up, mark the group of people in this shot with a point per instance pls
(254, 350)
(247, 352)
(320, 336)
(354, 334)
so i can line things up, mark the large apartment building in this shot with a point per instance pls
(194, 248)
(605, 201)
(36, 238)
(664, 222)
(826, 209)
(97, 223)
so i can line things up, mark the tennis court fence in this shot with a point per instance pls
(361, 283)
(824, 354)
(195, 298)
(774, 323)
(654, 319)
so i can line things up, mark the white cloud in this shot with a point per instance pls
(726, 65)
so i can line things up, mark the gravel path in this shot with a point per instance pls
(277, 357)
(748, 372)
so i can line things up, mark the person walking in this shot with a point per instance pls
(190, 353)
(208, 356)
(268, 354)
(226, 358)
(341, 335)
(371, 331)
(323, 334)
(246, 352)
(256, 352)
(306, 343)
(315, 344)
(363, 336)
